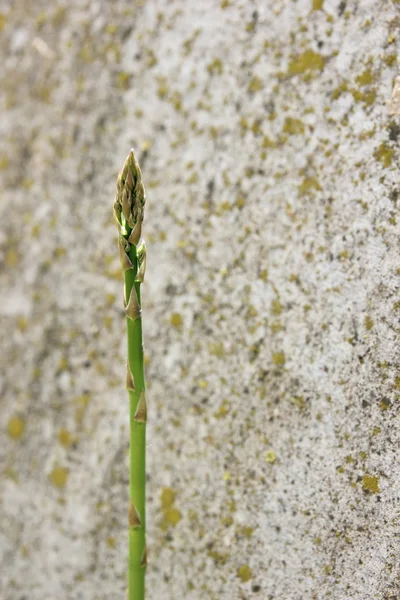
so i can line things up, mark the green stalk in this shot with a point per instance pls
(128, 212)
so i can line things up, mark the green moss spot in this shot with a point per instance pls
(15, 427)
(244, 573)
(279, 359)
(370, 484)
(384, 154)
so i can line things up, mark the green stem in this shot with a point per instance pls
(137, 476)
(128, 212)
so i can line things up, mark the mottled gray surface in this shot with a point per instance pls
(270, 151)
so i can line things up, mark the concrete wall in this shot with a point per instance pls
(269, 146)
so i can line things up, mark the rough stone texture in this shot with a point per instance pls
(270, 150)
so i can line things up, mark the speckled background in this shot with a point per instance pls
(269, 146)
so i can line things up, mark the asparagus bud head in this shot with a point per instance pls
(130, 200)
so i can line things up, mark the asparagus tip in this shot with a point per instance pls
(130, 198)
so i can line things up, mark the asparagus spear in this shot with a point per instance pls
(128, 211)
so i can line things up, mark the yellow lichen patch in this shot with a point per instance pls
(365, 78)
(216, 349)
(268, 143)
(220, 558)
(306, 63)
(63, 364)
(167, 498)
(176, 320)
(12, 258)
(4, 162)
(65, 438)
(270, 456)
(15, 427)
(308, 186)
(279, 359)
(193, 178)
(276, 327)
(384, 404)
(22, 323)
(384, 154)
(245, 531)
(227, 521)
(370, 484)
(82, 403)
(59, 476)
(276, 307)
(123, 80)
(108, 321)
(111, 542)
(368, 322)
(223, 410)
(255, 85)
(317, 4)
(244, 573)
(391, 60)
(172, 516)
(215, 67)
(250, 26)
(293, 126)
(368, 97)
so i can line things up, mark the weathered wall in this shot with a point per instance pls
(271, 305)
